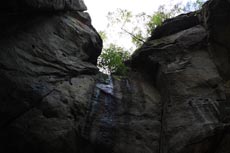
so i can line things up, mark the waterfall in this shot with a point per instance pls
(100, 124)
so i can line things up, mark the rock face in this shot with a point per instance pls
(216, 14)
(53, 100)
(124, 116)
(44, 5)
(188, 61)
(47, 75)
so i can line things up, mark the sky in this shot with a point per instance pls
(98, 10)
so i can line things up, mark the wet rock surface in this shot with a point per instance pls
(124, 116)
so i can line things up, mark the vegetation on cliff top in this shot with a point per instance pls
(113, 56)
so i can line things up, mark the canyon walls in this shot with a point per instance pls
(175, 98)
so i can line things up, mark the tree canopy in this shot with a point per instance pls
(137, 28)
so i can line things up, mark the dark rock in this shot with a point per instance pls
(217, 14)
(175, 98)
(224, 143)
(177, 24)
(155, 52)
(125, 116)
(47, 74)
(41, 5)
(50, 125)
(193, 97)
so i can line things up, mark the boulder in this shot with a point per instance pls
(14, 6)
(177, 24)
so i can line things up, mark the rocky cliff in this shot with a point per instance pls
(187, 59)
(48, 60)
(53, 100)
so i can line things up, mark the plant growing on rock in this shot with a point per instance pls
(113, 56)
(140, 26)
(112, 60)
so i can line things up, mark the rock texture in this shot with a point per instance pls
(44, 5)
(216, 13)
(53, 100)
(47, 75)
(124, 116)
(187, 58)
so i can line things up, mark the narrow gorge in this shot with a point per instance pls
(175, 99)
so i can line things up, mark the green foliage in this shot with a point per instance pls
(112, 60)
(127, 20)
(139, 27)
(103, 35)
(157, 19)
(136, 39)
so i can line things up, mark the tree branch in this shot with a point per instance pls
(132, 35)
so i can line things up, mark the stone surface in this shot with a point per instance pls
(47, 76)
(125, 116)
(175, 98)
(51, 124)
(217, 14)
(194, 105)
(177, 24)
(42, 5)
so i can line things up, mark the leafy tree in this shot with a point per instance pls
(129, 23)
(112, 60)
(113, 57)
(103, 35)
